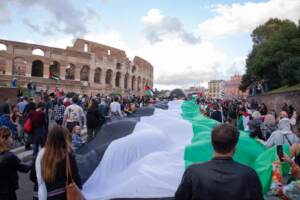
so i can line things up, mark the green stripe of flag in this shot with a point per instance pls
(249, 151)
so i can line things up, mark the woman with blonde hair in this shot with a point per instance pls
(51, 163)
(10, 164)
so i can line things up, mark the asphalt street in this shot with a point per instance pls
(26, 187)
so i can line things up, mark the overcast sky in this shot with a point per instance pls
(189, 42)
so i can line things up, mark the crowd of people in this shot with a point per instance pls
(269, 128)
(53, 126)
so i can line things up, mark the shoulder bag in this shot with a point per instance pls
(72, 190)
(28, 125)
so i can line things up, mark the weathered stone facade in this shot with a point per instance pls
(86, 67)
(276, 101)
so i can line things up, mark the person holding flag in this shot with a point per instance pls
(149, 92)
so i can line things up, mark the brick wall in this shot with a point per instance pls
(10, 93)
(276, 101)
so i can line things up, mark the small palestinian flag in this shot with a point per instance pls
(148, 91)
(53, 76)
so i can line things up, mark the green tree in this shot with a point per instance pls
(274, 43)
(289, 71)
(178, 93)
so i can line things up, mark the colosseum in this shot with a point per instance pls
(86, 67)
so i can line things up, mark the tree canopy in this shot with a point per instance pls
(275, 56)
(178, 93)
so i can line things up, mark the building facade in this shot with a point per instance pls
(86, 67)
(231, 88)
(216, 89)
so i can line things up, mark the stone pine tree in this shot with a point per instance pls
(275, 56)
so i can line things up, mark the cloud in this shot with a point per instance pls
(5, 17)
(68, 19)
(29, 24)
(110, 38)
(241, 18)
(180, 64)
(157, 26)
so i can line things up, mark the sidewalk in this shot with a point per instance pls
(23, 155)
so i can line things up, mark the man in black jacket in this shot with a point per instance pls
(217, 114)
(221, 178)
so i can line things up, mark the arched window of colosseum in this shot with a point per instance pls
(38, 52)
(118, 77)
(37, 68)
(55, 68)
(70, 72)
(84, 73)
(139, 83)
(3, 47)
(108, 52)
(119, 65)
(2, 65)
(126, 81)
(108, 76)
(133, 69)
(86, 47)
(97, 76)
(19, 66)
(133, 83)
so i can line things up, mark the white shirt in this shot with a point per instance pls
(74, 113)
(115, 107)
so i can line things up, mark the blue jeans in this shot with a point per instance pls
(35, 148)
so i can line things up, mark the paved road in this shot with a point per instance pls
(26, 187)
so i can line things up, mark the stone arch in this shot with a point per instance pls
(3, 47)
(126, 81)
(118, 66)
(37, 68)
(2, 65)
(38, 52)
(108, 76)
(70, 72)
(139, 83)
(133, 83)
(54, 68)
(133, 69)
(118, 77)
(97, 75)
(84, 73)
(19, 66)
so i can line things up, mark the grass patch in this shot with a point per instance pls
(286, 89)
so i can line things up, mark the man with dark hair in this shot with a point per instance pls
(222, 177)
(216, 114)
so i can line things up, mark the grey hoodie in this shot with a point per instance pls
(283, 135)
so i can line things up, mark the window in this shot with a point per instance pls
(3, 47)
(119, 65)
(38, 52)
(86, 47)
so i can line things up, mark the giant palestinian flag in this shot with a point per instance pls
(145, 156)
